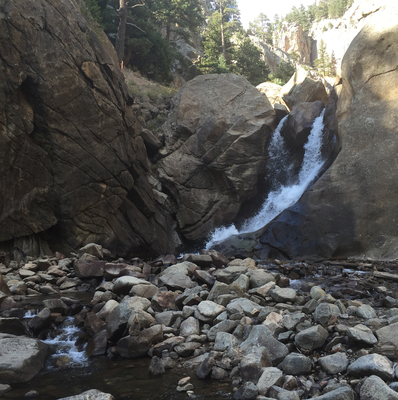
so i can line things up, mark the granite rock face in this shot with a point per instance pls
(73, 166)
(215, 150)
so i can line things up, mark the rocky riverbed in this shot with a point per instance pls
(268, 328)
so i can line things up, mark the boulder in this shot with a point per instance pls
(215, 150)
(302, 87)
(21, 358)
(367, 103)
(89, 268)
(178, 276)
(77, 170)
(374, 388)
(272, 91)
(388, 341)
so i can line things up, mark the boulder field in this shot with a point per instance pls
(273, 329)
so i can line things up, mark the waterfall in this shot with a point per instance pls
(281, 196)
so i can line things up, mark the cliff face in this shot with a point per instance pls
(336, 34)
(73, 167)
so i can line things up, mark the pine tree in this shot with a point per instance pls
(260, 26)
(249, 63)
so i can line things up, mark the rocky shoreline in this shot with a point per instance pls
(274, 329)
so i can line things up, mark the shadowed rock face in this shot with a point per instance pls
(215, 150)
(72, 163)
(352, 209)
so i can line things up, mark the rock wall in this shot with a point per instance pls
(351, 210)
(73, 167)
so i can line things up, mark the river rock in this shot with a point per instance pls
(215, 144)
(342, 393)
(248, 307)
(107, 309)
(248, 391)
(144, 290)
(252, 364)
(296, 364)
(210, 309)
(186, 349)
(317, 293)
(324, 312)
(124, 284)
(79, 177)
(178, 276)
(261, 336)
(92, 394)
(366, 311)
(372, 364)
(13, 326)
(4, 287)
(56, 306)
(260, 277)
(21, 358)
(89, 268)
(270, 376)
(138, 345)
(225, 341)
(283, 294)
(97, 344)
(311, 338)
(189, 327)
(272, 91)
(205, 367)
(361, 333)
(223, 326)
(334, 363)
(374, 388)
(388, 341)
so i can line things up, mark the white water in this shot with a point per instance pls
(65, 344)
(283, 196)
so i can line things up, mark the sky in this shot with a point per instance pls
(250, 9)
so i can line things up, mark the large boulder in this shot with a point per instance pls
(302, 87)
(21, 358)
(215, 150)
(350, 209)
(72, 162)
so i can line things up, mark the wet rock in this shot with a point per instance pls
(248, 391)
(116, 322)
(4, 389)
(334, 363)
(98, 344)
(270, 376)
(13, 326)
(219, 374)
(138, 346)
(156, 366)
(92, 394)
(372, 364)
(375, 388)
(18, 288)
(311, 338)
(361, 333)
(21, 358)
(107, 309)
(204, 368)
(93, 324)
(296, 364)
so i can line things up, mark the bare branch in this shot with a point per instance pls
(129, 23)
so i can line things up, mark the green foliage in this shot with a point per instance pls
(283, 73)
(261, 28)
(94, 9)
(249, 63)
(325, 64)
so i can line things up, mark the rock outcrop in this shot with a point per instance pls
(351, 210)
(215, 150)
(73, 168)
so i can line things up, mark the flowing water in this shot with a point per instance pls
(281, 195)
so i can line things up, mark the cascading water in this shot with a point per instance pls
(64, 345)
(282, 196)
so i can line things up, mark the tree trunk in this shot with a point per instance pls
(121, 30)
(224, 53)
